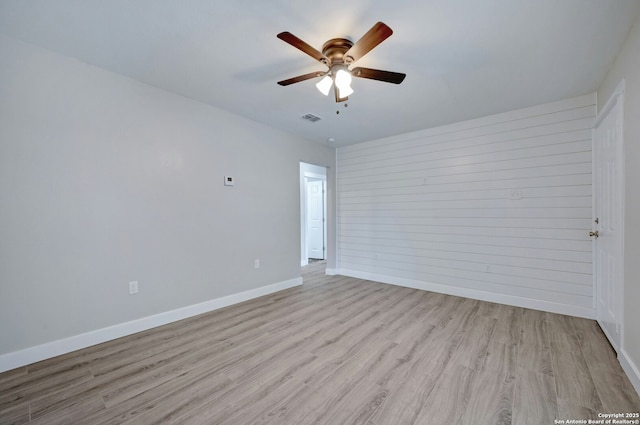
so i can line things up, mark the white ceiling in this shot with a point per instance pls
(463, 58)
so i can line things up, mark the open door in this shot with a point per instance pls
(315, 220)
(608, 221)
(313, 212)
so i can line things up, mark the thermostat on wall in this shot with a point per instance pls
(228, 181)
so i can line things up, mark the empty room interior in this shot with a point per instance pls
(293, 212)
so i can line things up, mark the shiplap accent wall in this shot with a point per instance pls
(497, 208)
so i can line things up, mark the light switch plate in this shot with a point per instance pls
(133, 287)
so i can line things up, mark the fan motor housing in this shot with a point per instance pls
(335, 49)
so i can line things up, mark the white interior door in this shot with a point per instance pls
(315, 219)
(608, 179)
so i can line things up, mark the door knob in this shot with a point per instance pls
(594, 234)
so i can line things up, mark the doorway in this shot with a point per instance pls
(313, 213)
(608, 226)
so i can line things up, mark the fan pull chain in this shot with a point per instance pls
(338, 111)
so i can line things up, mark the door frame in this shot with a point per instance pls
(308, 180)
(616, 100)
(306, 174)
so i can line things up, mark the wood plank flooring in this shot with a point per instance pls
(335, 351)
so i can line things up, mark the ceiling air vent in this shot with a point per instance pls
(311, 117)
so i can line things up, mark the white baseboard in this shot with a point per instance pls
(30, 355)
(630, 369)
(331, 272)
(551, 307)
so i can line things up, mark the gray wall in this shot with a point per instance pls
(627, 66)
(104, 180)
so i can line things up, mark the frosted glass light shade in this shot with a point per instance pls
(324, 85)
(343, 79)
(344, 91)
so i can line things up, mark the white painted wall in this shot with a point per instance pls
(104, 180)
(627, 66)
(433, 209)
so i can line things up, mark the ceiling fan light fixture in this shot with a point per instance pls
(343, 78)
(324, 85)
(338, 54)
(345, 91)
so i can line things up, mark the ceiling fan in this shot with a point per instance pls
(338, 54)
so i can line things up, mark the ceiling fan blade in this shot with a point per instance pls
(376, 74)
(301, 45)
(376, 35)
(302, 78)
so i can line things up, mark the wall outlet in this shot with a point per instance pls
(133, 287)
(256, 264)
(229, 181)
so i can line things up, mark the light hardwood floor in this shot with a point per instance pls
(335, 351)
